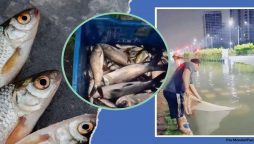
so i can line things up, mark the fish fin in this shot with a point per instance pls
(156, 82)
(11, 61)
(36, 139)
(18, 133)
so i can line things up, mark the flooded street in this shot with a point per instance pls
(227, 84)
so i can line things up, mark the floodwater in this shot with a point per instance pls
(226, 84)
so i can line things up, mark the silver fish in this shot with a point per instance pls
(22, 103)
(16, 39)
(131, 100)
(125, 47)
(130, 72)
(142, 56)
(72, 131)
(115, 54)
(96, 64)
(128, 48)
(117, 90)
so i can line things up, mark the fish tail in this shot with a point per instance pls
(100, 91)
(93, 91)
(156, 82)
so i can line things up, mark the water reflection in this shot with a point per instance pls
(229, 84)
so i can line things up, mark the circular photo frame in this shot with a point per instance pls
(115, 61)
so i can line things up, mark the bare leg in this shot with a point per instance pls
(183, 126)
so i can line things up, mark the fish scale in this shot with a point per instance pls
(8, 116)
(6, 51)
(16, 39)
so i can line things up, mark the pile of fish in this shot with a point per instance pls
(123, 75)
(22, 103)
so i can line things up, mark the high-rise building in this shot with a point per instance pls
(213, 29)
(243, 25)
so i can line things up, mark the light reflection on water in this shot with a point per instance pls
(228, 84)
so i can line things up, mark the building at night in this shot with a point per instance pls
(214, 33)
(242, 25)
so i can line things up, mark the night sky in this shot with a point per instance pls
(179, 27)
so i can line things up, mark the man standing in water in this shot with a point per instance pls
(182, 83)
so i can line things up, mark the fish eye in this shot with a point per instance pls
(24, 18)
(42, 82)
(85, 127)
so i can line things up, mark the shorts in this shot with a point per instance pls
(175, 103)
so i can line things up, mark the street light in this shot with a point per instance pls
(230, 43)
(194, 40)
(230, 23)
(246, 29)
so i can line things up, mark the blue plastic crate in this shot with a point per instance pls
(109, 30)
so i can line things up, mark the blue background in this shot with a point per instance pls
(136, 126)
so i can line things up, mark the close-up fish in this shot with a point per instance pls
(115, 54)
(76, 130)
(96, 63)
(16, 39)
(142, 56)
(22, 104)
(131, 100)
(130, 72)
(117, 90)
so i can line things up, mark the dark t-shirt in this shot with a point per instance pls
(176, 84)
